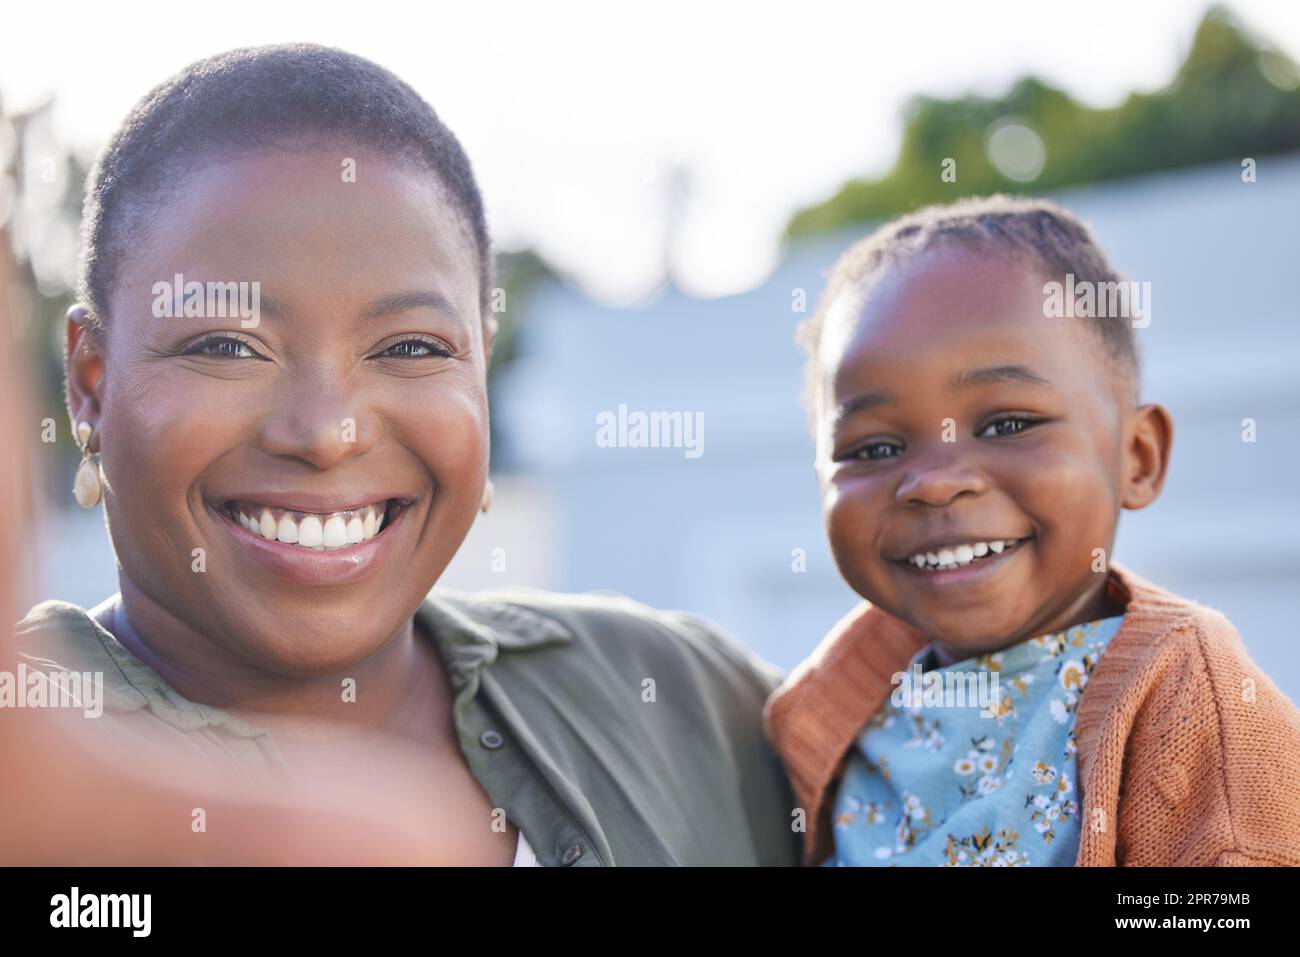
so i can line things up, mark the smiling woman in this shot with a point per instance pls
(283, 496)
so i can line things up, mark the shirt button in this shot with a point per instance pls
(571, 854)
(491, 740)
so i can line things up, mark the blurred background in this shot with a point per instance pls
(668, 188)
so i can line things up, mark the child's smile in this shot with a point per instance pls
(971, 451)
(974, 556)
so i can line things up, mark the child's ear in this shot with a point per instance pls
(1149, 437)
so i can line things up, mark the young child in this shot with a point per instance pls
(974, 452)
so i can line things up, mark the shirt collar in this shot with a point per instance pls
(470, 632)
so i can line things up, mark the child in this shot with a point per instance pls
(974, 451)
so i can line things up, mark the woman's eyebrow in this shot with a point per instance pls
(400, 302)
(994, 374)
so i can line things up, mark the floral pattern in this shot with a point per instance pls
(954, 786)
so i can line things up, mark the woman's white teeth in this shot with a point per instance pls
(959, 555)
(310, 532)
(335, 532)
(319, 532)
(287, 530)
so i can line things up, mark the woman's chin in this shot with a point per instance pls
(294, 647)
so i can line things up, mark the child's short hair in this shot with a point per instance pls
(1018, 226)
(251, 99)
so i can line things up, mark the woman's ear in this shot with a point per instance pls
(489, 336)
(84, 365)
(1150, 436)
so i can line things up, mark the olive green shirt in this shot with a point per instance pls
(610, 733)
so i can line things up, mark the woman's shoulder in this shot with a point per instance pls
(614, 629)
(61, 637)
(66, 643)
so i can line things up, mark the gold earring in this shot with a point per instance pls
(487, 497)
(88, 487)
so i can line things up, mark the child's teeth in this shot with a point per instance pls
(959, 555)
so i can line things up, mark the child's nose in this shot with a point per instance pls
(937, 479)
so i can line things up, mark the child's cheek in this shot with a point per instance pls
(852, 516)
(1069, 494)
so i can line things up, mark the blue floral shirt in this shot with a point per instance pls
(988, 781)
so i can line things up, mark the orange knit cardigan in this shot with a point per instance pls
(1188, 754)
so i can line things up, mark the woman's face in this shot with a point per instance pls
(356, 401)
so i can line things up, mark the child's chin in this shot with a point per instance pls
(962, 637)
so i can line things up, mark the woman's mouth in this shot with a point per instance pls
(316, 547)
(320, 531)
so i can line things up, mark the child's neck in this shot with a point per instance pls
(1092, 605)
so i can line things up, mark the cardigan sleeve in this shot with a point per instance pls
(1213, 776)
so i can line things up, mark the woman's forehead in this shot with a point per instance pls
(289, 220)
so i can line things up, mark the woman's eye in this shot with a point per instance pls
(222, 347)
(417, 349)
(1007, 425)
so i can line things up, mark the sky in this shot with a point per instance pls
(577, 115)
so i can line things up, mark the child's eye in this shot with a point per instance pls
(875, 451)
(222, 347)
(1006, 425)
(417, 348)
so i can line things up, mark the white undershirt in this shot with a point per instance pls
(524, 856)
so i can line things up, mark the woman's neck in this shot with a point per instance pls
(400, 689)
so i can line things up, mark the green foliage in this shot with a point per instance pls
(1234, 96)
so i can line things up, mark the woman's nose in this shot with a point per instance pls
(939, 478)
(319, 424)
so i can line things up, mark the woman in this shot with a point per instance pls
(277, 374)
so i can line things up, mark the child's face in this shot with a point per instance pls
(952, 413)
(363, 381)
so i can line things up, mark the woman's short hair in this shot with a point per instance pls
(252, 99)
